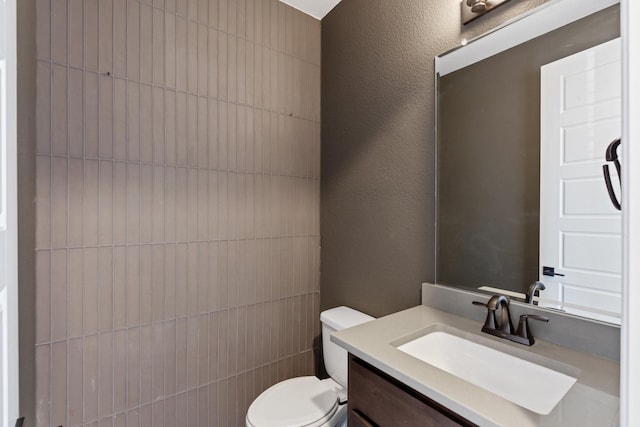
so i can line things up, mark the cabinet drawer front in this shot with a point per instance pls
(376, 399)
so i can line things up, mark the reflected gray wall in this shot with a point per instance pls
(378, 144)
(488, 158)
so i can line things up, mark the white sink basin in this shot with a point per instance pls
(527, 384)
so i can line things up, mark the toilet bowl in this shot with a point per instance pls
(309, 401)
(301, 401)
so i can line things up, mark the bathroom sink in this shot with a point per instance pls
(524, 383)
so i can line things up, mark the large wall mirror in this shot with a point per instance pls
(525, 115)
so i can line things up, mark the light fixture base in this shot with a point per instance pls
(468, 15)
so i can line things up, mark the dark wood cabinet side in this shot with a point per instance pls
(378, 400)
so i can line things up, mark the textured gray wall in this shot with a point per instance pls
(378, 143)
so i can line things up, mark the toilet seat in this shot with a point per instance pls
(296, 402)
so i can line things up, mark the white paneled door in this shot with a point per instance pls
(580, 230)
(630, 350)
(8, 218)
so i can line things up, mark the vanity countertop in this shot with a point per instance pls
(593, 401)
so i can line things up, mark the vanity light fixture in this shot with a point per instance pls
(472, 9)
(477, 6)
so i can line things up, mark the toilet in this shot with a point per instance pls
(309, 401)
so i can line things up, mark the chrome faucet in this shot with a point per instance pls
(498, 322)
(533, 288)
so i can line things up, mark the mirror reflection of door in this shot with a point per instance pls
(580, 230)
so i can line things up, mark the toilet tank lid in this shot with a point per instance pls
(343, 317)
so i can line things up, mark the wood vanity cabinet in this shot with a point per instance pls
(376, 399)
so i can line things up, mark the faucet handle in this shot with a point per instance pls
(523, 330)
(534, 317)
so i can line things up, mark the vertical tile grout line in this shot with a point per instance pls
(219, 247)
(215, 279)
(189, 169)
(138, 242)
(126, 230)
(236, 232)
(164, 209)
(152, 215)
(197, 224)
(84, 220)
(50, 219)
(68, 222)
(113, 265)
(99, 164)
(252, 277)
(112, 245)
(209, 231)
(174, 371)
(98, 249)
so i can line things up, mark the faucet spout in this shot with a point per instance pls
(498, 316)
(503, 317)
(533, 288)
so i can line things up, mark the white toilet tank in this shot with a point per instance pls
(335, 357)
